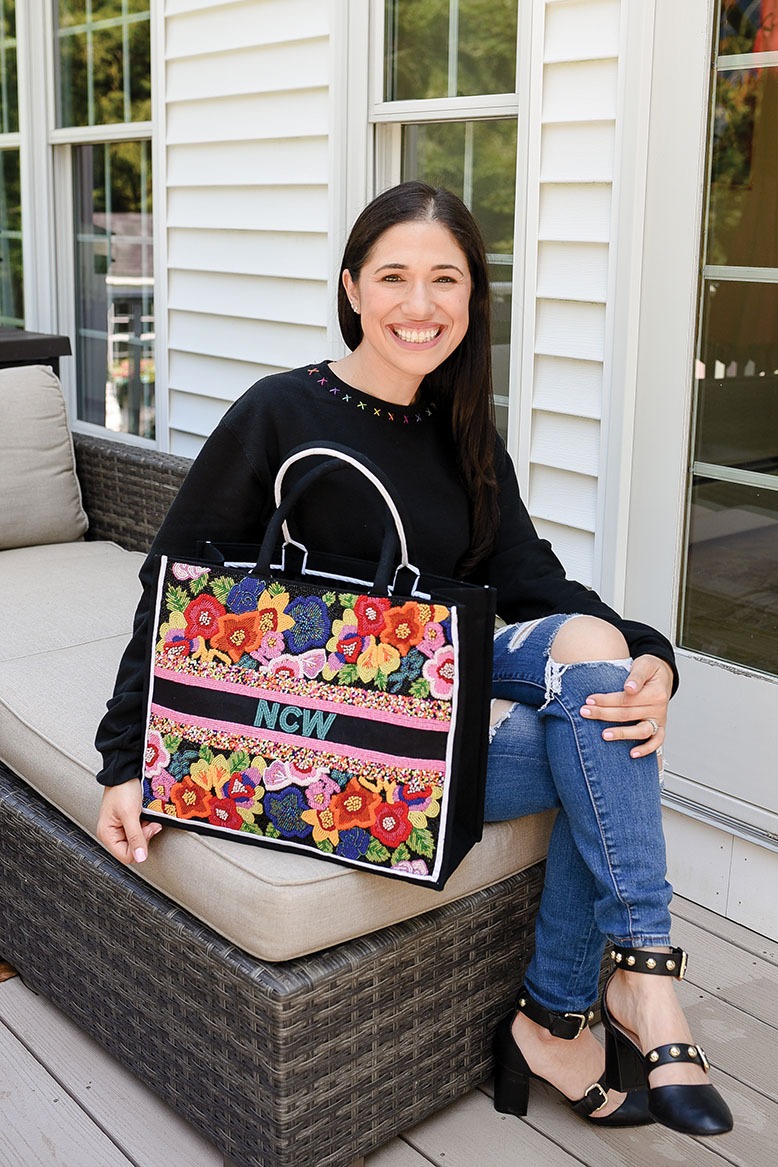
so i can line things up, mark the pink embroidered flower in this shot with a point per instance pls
(155, 756)
(440, 672)
(184, 571)
(271, 645)
(416, 866)
(319, 793)
(161, 784)
(432, 639)
(281, 774)
(285, 666)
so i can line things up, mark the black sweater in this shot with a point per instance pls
(227, 497)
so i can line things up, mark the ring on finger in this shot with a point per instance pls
(654, 725)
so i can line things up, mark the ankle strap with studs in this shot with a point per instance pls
(665, 964)
(667, 1055)
(565, 1025)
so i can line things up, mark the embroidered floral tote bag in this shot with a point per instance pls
(337, 714)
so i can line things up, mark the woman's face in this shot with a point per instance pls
(413, 297)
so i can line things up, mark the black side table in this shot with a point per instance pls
(18, 347)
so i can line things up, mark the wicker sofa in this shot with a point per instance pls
(302, 1052)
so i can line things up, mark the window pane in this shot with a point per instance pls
(115, 287)
(9, 94)
(11, 282)
(477, 160)
(450, 48)
(731, 601)
(744, 169)
(747, 26)
(737, 410)
(103, 54)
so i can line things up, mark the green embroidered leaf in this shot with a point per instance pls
(376, 852)
(348, 674)
(421, 841)
(251, 828)
(329, 598)
(240, 760)
(176, 599)
(222, 587)
(347, 599)
(326, 846)
(276, 588)
(198, 585)
(380, 680)
(272, 832)
(206, 753)
(420, 688)
(400, 854)
(172, 742)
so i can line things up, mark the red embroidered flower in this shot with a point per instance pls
(392, 825)
(238, 634)
(223, 813)
(369, 611)
(354, 807)
(191, 800)
(403, 628)
(349, 646)
(202, 616)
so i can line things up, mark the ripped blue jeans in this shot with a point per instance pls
(605, 875)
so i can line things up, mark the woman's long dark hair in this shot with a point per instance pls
(462, 384)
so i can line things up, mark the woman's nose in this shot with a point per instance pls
(418, 300)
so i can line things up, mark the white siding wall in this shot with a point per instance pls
(574, 134)
(247, 155)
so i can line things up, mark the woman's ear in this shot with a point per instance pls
(351, 290)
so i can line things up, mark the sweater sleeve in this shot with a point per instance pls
(531, 582)
(226, 497)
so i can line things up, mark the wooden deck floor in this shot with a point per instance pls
(64, 1101)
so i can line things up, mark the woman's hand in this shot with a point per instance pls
(119, 828)
(643, 702)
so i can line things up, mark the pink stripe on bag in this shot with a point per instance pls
(228, 727)
(304, 702)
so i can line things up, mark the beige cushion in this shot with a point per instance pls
(41, 499)
(274, 905)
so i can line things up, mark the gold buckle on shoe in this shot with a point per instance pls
(682, 969)
(602, 1092)
(582, 1019)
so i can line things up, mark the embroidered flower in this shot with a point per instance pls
(175, 647)
(160, 785)
(272, 612)
(403, 627)
(311, 623)
(375, 658)
(319, 793)
(392, 825)
(416, 866)
(285, 809)
(294, 773)
(271, 645)
(202, 616)
(416, 791)
(285, 666)
(238, 634)
(244, 789)
(213, 775)
(190, 800)
(369, 611)
(432, 638)
(245, 595)
(224, 813)
(353, 843)
(155, 756)
(355, 806)
(323, 824)
(185, 571)
(440, 671)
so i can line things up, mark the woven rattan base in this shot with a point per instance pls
(308, 1063)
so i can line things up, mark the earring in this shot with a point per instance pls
(354, 307)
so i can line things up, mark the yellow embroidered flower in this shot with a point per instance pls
(213, 775)
(375, 657)
(323, 823)
(271, 614)
(176, 622)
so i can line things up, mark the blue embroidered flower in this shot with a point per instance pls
(353, 844)
(312, 624)
(245, 595)
(284, 809)
(410, 668)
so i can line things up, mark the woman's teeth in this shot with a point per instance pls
(412, 336)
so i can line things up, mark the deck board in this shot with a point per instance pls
(73, 1105)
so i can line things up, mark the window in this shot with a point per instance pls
(102, 54)
(11, 272)
(448, 117)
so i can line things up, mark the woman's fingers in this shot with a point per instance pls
(119, 828)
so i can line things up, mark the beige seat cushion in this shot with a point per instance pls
(41, 498)
(274, 905)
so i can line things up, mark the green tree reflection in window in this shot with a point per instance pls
(104, 62)
(11, 282)
(9, 97)
(450, 48)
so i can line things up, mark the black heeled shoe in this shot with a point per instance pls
(512, 1073)
(689, 1109)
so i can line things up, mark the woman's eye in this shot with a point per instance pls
(392, 278)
